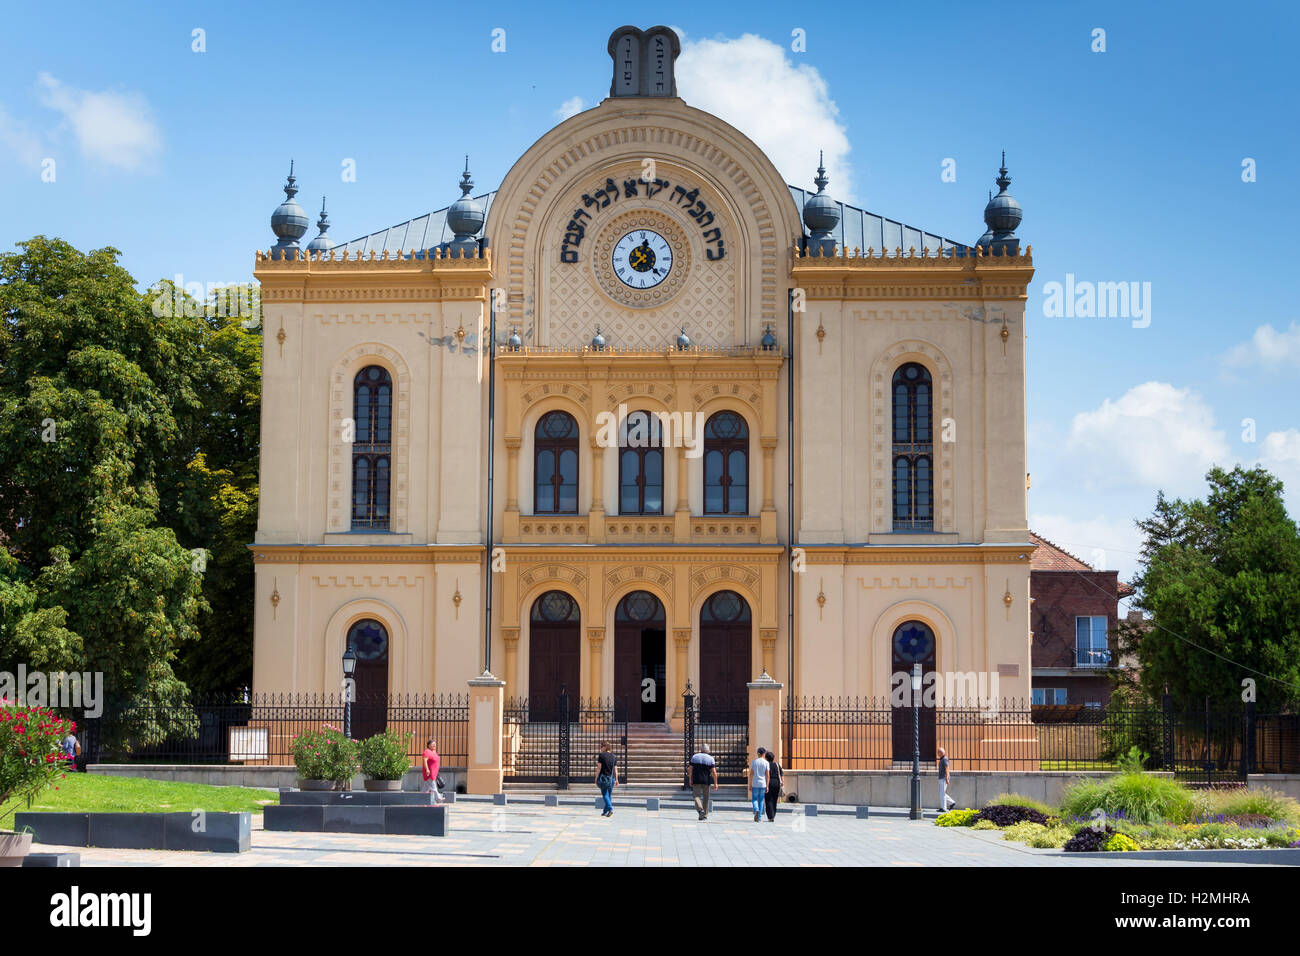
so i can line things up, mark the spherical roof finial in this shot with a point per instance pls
(1002, 215)
(466, 216)
(322, 242)
(288, 222)
(821, 213)
(683, 340)
(598, 341)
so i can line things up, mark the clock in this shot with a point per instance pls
(642, 259)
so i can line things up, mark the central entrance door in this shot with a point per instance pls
(913, 643)
(554, 654)
(640, 656)
(726, 637)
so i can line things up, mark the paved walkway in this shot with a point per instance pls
(533, 835)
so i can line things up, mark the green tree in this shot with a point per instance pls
(128, 438)
(1220, 581)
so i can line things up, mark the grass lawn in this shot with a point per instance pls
(84, 792)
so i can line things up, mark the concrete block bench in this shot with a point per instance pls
(345, 816)
(213, 832)
(355, 798)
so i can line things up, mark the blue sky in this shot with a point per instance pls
(1128, 163)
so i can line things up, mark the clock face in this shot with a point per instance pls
(642, 259)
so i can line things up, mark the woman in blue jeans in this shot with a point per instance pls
(607, 778)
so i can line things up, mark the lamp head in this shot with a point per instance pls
(349, 662)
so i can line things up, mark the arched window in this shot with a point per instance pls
(372, 447)
(641, 466)
(555, 460)
(913, 449)
(726, 465)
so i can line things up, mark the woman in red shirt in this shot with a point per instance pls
(431, 764)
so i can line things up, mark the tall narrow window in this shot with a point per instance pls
(913, 449)
(641, 466)
(372, 448)
(726, 465)
(555, 460)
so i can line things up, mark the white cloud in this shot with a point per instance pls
(1280, 454)
(115, 129)
(1153, 436)
(571, 107)
(1267, 347)
(786, 109)
(18, 141)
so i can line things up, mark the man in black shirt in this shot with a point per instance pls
(607, 778)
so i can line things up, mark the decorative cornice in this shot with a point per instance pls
(685, 554)
(918, 554)
(857, 276)
(327, 278)
(366, 554)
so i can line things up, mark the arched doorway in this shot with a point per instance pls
(554, 655)
(368, 639)
(726, 639)
(913, 643)
(640, 656)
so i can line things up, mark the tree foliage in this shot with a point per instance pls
(1220, 580)
(128, 457)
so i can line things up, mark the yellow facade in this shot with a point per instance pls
(857, 317)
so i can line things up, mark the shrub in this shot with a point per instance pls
(984, 825)
(1137, 796)
(384, 756)
(30, 757)
(1023, 831)
(1050, 838)
(1005, 816)
(1088, 840)
(1017, 800)
(1120, 843)
(956, 818)
(1262, 802)
(325, 755)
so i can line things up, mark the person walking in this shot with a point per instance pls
(758, 783)
(775, 779)
(704, 774)
(946, 802)
(430, 763)
(607, 778)
(71, 750)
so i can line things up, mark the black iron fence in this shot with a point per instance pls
(261, 729)
(1205, 743)
(721, 725)
(556, 740)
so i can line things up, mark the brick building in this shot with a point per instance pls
(1073, 616)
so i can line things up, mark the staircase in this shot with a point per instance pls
(654, 755)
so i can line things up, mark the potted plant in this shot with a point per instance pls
(31, 759)
(385, 760)
(324, 759)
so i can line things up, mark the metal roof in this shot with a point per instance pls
(858, 229)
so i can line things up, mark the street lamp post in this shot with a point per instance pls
(915, 812)
(349, 667)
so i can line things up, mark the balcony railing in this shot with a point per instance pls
(1092, 657)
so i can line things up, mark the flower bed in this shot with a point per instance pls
(1129, 812)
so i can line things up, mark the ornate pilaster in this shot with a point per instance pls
(682, 641)
(595, 644)
(767, 636)
(510, 636)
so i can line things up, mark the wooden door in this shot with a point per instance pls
(554, 655)
(368, 639)
(726, 640)
(912, 643)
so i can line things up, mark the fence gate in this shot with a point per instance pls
(556, 741)
(722, 726)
